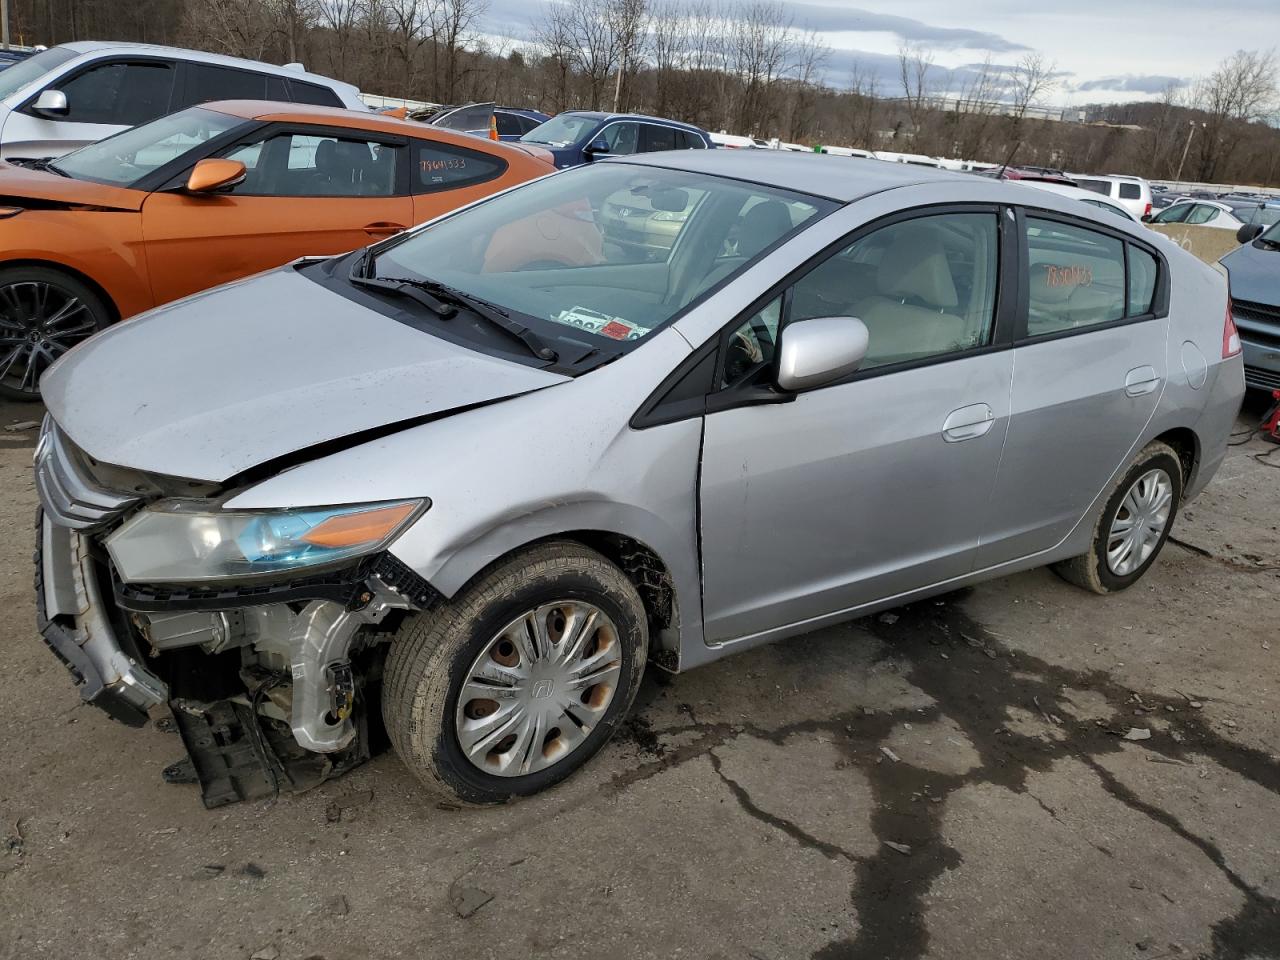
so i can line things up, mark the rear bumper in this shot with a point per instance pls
(76, 626)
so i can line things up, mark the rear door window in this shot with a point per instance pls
(1203, 213)
(121, 94)
(655, 138)
(1077, 278)
(205, 82)
(1130, 191)
(508, 125)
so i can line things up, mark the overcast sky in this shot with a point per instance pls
(1106, 50)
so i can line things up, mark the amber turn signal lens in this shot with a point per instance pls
(353, 529)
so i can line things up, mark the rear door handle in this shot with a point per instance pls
(383, 228)
(968, 423)
(1140, 381)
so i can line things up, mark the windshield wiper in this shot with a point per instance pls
(46, 163)
(497, 316)
(407, 288)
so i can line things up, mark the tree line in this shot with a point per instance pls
(745, 67)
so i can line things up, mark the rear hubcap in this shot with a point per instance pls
(39, 322)
(538, 688)
(1139, 523)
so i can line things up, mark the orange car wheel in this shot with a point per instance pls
(43, 314)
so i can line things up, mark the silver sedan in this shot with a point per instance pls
(481, 476)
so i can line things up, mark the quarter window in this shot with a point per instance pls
(1142, 281)
(438, 166)
(1203, 213)
(121, 94)
(658, 138)
(302, 165)
(1130, 191)
(313, 94)
(1077, 278)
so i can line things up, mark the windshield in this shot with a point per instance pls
(127, 157)
(562, 130)
(1272, 233)
(32, 69)
(613, 250)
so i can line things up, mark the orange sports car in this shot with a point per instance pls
(212, 194)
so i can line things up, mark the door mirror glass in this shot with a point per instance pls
(597, 146)
(819, 351)
(1249, 232)
(51, 103)
(214, 174)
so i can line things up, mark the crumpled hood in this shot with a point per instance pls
(207, 387)
(22, 183)
(1255, 274)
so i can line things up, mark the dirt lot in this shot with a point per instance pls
(948, 781)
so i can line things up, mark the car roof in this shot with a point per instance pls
(842, 179)
(199, 56)
(266, 110)
(601, 115)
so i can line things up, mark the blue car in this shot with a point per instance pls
(579, 136)
(1254, 272)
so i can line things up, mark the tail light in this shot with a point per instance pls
(1230, 336)
(1148, 211)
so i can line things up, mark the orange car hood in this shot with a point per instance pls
(50, 189)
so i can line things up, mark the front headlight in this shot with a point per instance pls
(186, 542)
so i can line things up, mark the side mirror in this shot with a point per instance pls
(214, 174)
(51, 103)
(816, 352)
(1249, 232)
(597, 146)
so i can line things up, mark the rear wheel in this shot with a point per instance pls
(43, 314)
(1133, 526)
(515, 683)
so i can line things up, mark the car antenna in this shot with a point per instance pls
(1008, 160)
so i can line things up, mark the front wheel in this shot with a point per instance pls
(43, 314)
(1134, 525)
(516, 682)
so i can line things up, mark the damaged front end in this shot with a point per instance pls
(268, 678)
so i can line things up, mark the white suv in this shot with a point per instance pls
(1132, 193)
(78, 93)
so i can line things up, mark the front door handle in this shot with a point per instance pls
(383, 228)
(1140, 381)
(968, 423)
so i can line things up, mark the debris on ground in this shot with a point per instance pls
(888, 618)
(467, 900)
(265, 953)
(1138, 733)
(902, 848)
(208, 871)
(252, 871)
(345, 807)
(22, 425)
(891, 755)
(337, 906)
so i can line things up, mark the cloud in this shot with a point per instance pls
(1131, 83)
(842, 19)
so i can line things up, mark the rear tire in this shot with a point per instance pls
(1133, 526)
(547, 703)
(44, 312)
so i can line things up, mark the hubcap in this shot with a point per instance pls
(539, 688)
(38, 323)
(1139, 523)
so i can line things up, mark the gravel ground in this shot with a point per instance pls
(951, 780)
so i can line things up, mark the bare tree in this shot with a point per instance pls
(1240, 92)
(915, 66)
(451, 25)
(241, 28)
(760, 46)
(808, 57)
(628, 21)
(1030, 81)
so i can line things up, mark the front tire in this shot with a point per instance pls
(1134, 525)
(43, 314)
(520, 679)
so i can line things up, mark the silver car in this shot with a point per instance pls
(479, 477)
